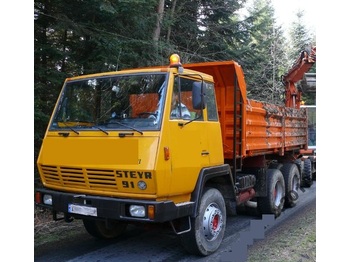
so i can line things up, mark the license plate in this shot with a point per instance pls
(82, 210)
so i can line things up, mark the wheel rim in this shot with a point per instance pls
(278, 194)
(295, 184)
(212, 221)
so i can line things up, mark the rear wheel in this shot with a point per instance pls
(313, 167)
(291, 177)
(103, 230)
(307, 176)
(274, 201)
(208, 228)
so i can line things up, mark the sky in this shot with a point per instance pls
(285, 12)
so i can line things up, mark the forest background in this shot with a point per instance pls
(75, 37)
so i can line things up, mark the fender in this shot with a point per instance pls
(205, 175)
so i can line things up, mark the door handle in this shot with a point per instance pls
(205, 153)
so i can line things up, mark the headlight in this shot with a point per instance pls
(47, 199)
(137, 211)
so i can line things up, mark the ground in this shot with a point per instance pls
(294, 241)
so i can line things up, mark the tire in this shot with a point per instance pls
(231, 208)
(313, 167)
(300, 165)
(291, 177)
(99, 229)
(208, 228)
(307, 176)
(273, 203)
(275, 165)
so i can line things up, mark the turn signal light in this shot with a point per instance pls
(151, 212)
(166, 153)
(37, 198)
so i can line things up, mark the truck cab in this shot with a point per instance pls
(114, 140)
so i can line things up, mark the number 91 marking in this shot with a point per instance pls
(127, 184)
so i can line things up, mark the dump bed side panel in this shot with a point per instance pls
(274, 129)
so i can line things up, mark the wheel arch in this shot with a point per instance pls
(219, 177)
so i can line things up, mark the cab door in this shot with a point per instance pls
(189, 153)
(188, 142)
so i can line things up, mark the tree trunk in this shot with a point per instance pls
(160, 15)
(171, 19)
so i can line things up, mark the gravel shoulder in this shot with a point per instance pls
(293, 241)
(49, 233)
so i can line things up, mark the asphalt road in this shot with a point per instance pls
(159, 243)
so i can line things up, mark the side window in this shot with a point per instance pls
(211, 102)
(181, 107)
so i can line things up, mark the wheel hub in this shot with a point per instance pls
(278, 194)
(212, 221)
(295, 183)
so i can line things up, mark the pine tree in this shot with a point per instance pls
(301, 39)
(265, 56)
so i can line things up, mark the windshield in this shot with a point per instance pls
(125, 102)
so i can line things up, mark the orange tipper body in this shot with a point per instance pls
(249, 127)
(178, 144)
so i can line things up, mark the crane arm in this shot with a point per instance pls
(302, 65)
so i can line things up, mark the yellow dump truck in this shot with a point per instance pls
(180, 144)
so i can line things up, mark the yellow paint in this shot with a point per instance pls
(92, 162)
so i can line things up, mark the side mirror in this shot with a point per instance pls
(198, 101)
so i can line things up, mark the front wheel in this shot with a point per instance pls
(208, 228)
(273, 203)
(103, 230)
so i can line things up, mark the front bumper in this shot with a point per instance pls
(112, 208)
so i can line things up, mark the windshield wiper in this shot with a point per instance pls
(127, 126)
(71, 128)
(101, 129)
(86, 124)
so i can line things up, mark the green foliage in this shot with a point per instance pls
(301, 39)
(264, 57)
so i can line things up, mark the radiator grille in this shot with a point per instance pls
(79, 177)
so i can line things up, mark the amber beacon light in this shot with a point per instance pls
(175, 60)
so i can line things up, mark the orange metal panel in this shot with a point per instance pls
(143, 103)
(272, 128)
(265, 129)
(149, 102)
